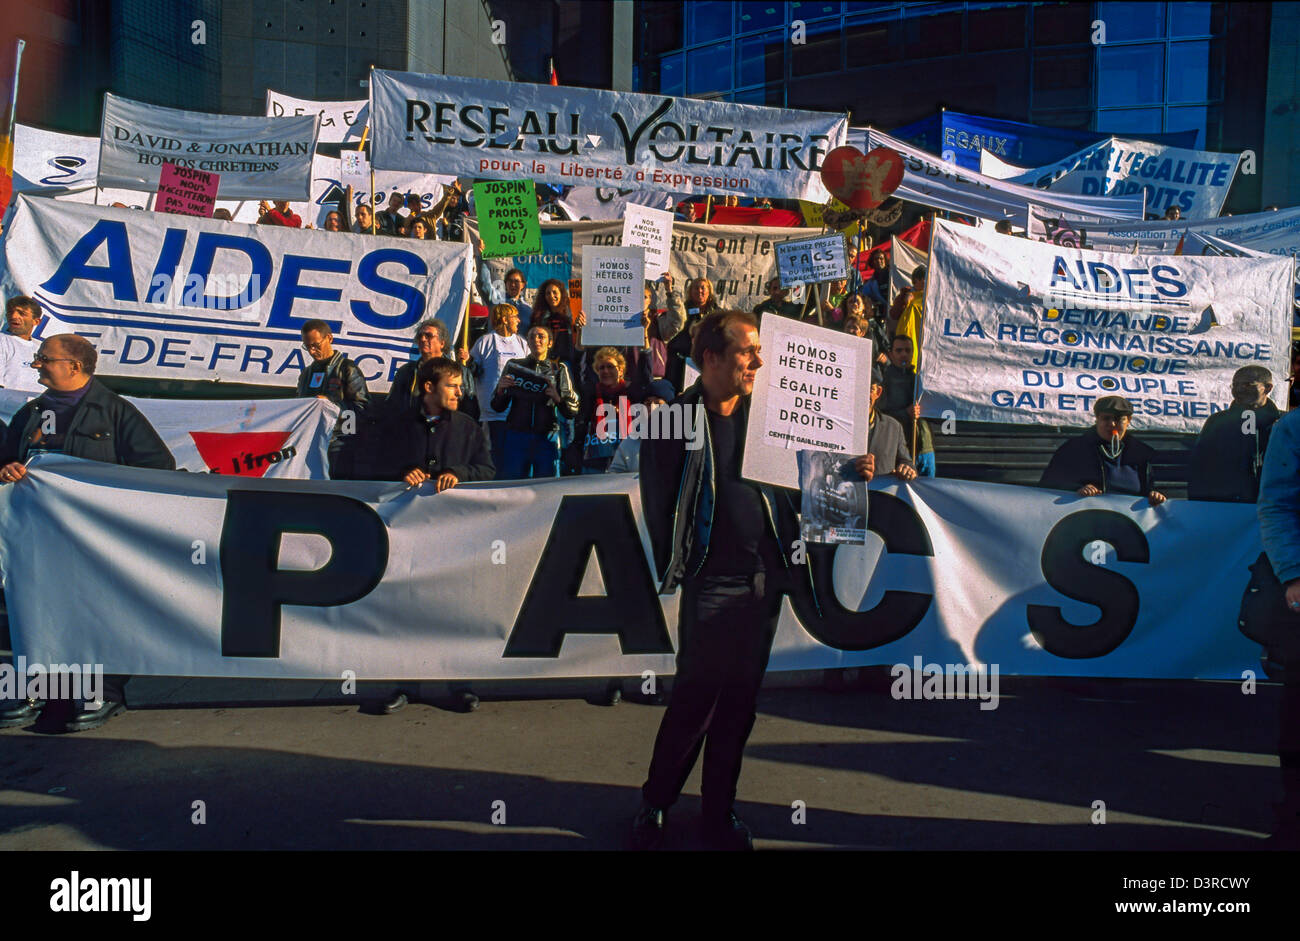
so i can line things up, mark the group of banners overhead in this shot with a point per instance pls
(737, 259)
(931, 181)
(1032, 333)
(310, 579)
(250, 438)
(1194, 181)
(1275, 232)
(256, 157)
(580, 136)
(178, 297)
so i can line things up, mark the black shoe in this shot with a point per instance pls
(26, 711)
(93, 716)
(647, 829)
(396, 703)
(729, 835)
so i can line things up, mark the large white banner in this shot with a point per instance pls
(176, 297)
(1027, 332)
(931, 181)
(565, 135)
(1196, 181)
(340, 121)
(738, 259)
(904, 259)
(65, 166)
(308, 579)
(258, 158)
(1276, 232)
(243, 438)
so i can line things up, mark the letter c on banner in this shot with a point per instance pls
(897, 613)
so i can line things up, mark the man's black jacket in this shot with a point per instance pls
(1078, 462)
(1226, 462)
(104, 427)
(455, 443)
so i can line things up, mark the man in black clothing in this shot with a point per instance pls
(1102, 459)
(732, 575)
(79, 416)
(1229, 453)
(434, 441)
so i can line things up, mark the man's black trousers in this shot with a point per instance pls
(726, 627)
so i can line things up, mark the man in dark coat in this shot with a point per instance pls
(1104, 459)
(433, 440)
(1229, 453)
(79, 416)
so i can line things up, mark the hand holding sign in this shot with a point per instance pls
(862, 181)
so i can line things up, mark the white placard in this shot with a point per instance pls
(340, 121)
(652, 229)
(353, 167)
(809, 395)
(613, 286)
(812, 261)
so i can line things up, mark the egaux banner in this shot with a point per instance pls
(258, 158)
(392, 582)
(176, 297)
(1033, 333)
(243, 438)
(1195, 181)
(931, 181)
(559, 134)
(340, 121)
(738, 259)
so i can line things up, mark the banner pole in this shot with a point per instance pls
(13, 98)
(370, 89)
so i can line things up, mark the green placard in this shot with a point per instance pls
(507, 218)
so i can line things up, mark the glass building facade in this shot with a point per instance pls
(1127, 68)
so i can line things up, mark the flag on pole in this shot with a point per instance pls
(7, 139)
(554, 79)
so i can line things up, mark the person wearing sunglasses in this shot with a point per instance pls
(433, 341)
(80, 416)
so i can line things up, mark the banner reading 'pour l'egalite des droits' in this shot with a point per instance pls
(557, 134)
(261, 158)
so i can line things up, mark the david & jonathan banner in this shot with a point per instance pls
(397, 583)
(578, 136)
(1028, 332)
(1194, 181)
(176, 297)
(257, 158)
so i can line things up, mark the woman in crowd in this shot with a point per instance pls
(876, 288)
(418, 229)
(534, 392)
(853, 310)
(700, 302)
(604, 410)
(551, 309)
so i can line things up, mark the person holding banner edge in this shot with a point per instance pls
(1104, 459)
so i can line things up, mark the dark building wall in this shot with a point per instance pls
(155, 55)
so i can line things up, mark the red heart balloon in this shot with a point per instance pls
(863, 182)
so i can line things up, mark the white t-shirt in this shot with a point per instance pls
(492, 351)
(16, 370)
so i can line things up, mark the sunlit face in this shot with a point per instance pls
(539, 342)
(419, 230)
(430, 343)
(56, 369)
(363, 216)
(514, 284)
(900, 354)
(878, 261)
(608, 372)
(854, 306)
(319, 345)
(447, 393)
(649, 296)
(333, 223)
(22, 322)
(509, 324)
(734, 372)
(700, 292)
(1109, 425)
(553, 295)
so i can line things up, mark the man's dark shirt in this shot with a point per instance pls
(1226, 463)
(741, 542)
(62, 404)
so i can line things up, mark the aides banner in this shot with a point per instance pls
(175, 297)
(253, 438)
(311, 578)
(340, 121)
(257, 158)
(931, 181)
(1195, 181)
(1032, 333)
(564, 135)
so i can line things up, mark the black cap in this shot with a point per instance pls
(1112, 405)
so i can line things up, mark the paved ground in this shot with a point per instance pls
(1179, 765)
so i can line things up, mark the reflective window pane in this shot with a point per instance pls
(1063, 80)
(1189, 66)
(672, 75)
(1186, 118)
(760, 58)
(871, 41)
(708, 69)
(814, 9)
(996, 29)
(1130, 75)
(770, 95)
(1189, 19)
(929, 36)
(1126, 21)
(707, 19)
(1132, 121)
(760, 15)
(820, 53)
(1057, 24)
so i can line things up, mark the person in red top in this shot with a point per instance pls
(281, 214)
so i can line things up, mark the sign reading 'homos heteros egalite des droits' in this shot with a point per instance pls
(551, 134)
(613, 296)
(811, 394)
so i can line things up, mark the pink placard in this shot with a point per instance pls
(186, 191)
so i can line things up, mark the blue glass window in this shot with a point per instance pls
(707, 19)
(672, 75)
(1189, 118)
(1189, 71)
(1126, 21)
(813, 9)
(1131, 121)
(820, 52)
(1130, 75)
(1189, 19)
(760, 15)
(708, 69)
(760, 58)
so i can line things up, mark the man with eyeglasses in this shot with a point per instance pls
(331, 375)
(80, 416)
(434, 342)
